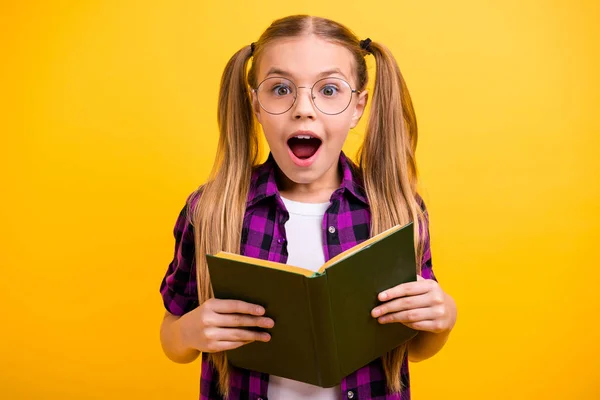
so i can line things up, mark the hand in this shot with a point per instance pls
(214, 326)
(421, 305)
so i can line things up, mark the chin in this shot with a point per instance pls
(297, 175)
(306, 175)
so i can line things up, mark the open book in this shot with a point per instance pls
(323, 325)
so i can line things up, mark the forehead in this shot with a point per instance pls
(304, 58)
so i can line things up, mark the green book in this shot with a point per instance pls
(323, 325)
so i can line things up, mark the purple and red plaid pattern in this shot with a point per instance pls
(345, 224)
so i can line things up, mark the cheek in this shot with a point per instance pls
(338, 128)
(272, 128)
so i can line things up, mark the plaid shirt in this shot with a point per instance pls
(345, 224)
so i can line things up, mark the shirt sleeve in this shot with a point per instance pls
(426, 264)
(179, 289)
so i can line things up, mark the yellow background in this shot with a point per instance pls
(108, 121)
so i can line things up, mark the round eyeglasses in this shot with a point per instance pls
(331, 96)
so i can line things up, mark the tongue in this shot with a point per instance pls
(304, 148)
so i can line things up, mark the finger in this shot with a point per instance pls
(406, 289)
(233, 320)
(236, 306)
(225, 345)
(435, 326)
(420, 278)
(410, 316)
(426, 325)
(401, 304)
(238, 335)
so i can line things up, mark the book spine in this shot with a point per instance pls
(326, 354)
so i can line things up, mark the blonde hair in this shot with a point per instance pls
(386, 158)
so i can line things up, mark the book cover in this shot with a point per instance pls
(323, 325)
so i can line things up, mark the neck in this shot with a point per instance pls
(318, 191)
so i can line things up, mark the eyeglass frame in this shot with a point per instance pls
(312, 97)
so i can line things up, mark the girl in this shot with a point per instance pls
(307, 203)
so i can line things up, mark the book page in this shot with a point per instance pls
(359, 247)
(265, 263)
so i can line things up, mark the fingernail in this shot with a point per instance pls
(376, 313)
(266, 337)
(383, 296)
(260, 310)
(269, 323)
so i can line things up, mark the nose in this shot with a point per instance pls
(304, 106)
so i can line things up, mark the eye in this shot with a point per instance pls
(329, 90)
(281, 90)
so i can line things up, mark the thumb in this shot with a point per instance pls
(420, 278)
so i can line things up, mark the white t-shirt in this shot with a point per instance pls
(305, 249)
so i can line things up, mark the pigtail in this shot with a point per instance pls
(387, 159)
(219, 214)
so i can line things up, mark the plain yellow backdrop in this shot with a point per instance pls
(108, 122)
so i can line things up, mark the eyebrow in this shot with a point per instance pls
(279, 71)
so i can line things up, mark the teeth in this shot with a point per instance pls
(303, 137)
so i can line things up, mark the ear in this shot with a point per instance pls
(256, 106)
(359, 109)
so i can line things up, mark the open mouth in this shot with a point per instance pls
(304, 146)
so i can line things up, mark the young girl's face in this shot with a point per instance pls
(303, 136)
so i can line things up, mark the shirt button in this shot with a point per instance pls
(280, 240)
(350, 394)
(332, 230)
